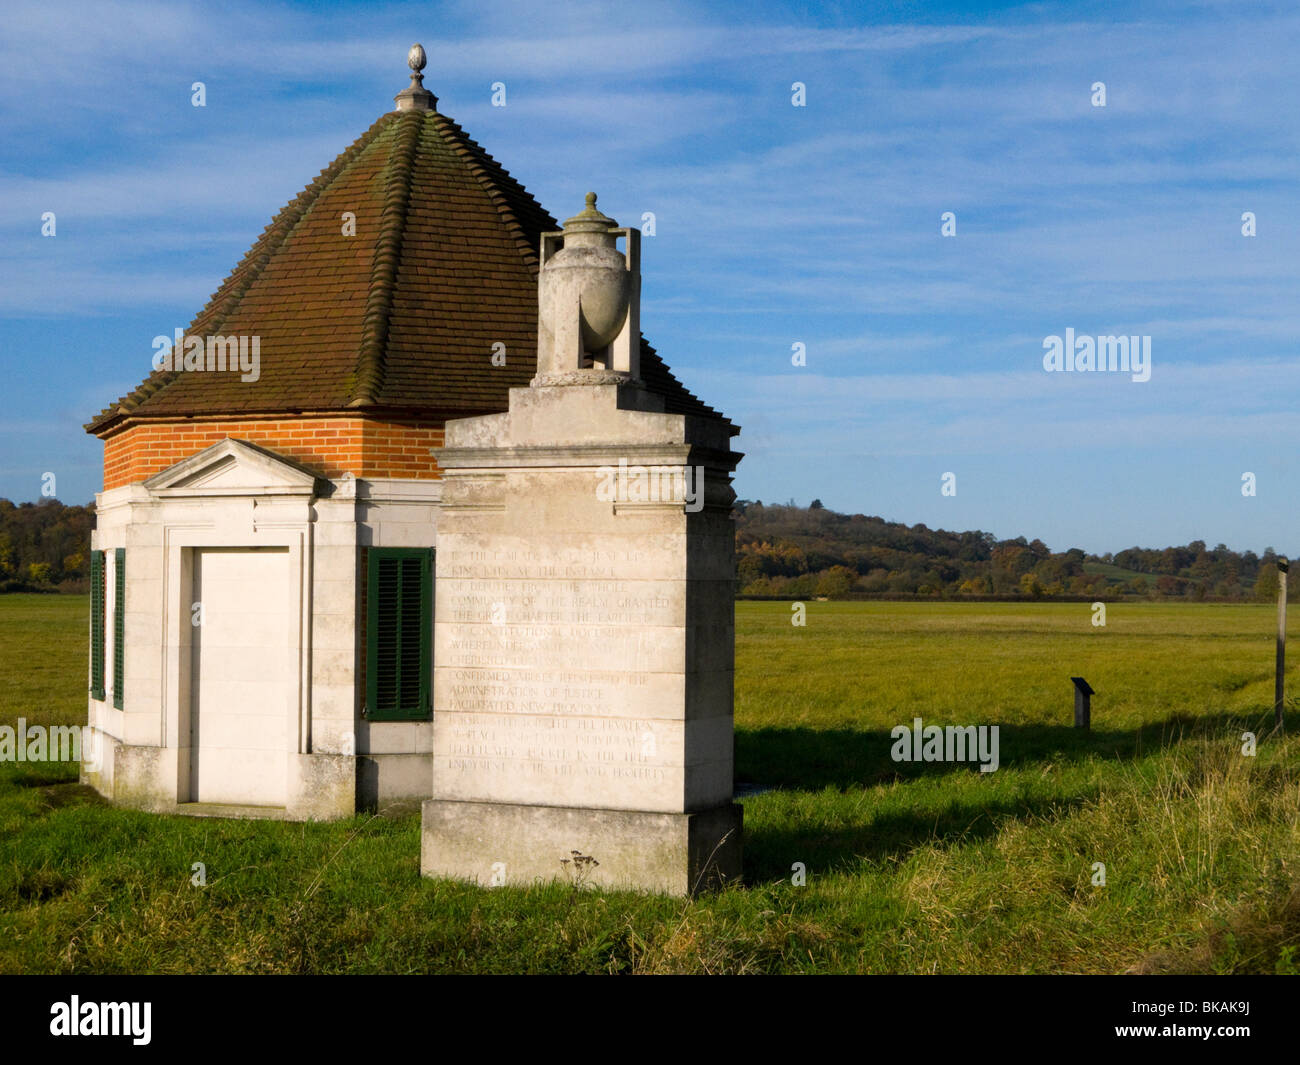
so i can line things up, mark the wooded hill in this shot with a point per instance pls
(44, 547)
(793, 551)
(790, 551)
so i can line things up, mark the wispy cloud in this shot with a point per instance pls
(775, 224)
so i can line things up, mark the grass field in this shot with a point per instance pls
(924, 867)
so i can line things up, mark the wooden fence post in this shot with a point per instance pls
(1083, 693)
(1279, 685)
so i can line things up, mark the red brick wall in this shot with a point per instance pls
(331, 446)
(400, 449)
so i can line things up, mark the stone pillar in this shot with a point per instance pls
(584, 639)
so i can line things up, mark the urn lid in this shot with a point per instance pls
(589, 219)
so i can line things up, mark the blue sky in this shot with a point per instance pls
(775, 225)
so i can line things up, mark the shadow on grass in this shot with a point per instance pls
(37, 778)
(770, 852)
(55, 785)
(812, 759)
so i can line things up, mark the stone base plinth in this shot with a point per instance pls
(495, 843)
(320, 787)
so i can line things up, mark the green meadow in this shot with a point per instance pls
(906, 867)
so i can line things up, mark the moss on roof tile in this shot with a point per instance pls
(401, 316)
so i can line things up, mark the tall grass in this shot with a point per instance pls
(919, 867)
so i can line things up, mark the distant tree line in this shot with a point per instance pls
(796, 552)
(788, 551)
(45, 547)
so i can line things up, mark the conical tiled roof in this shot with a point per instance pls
(400, 317)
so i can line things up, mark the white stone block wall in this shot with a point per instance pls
(234, 496)
(397, 756)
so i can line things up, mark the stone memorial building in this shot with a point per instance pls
(372, 533)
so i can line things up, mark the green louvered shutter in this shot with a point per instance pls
(97, 624)
(119, 623)
(399, 632)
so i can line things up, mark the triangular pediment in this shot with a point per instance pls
(235, 467)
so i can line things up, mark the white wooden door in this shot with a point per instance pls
(241, 676)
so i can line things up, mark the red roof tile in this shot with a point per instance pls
(402, 316)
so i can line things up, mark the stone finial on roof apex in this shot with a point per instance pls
(415, 97)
